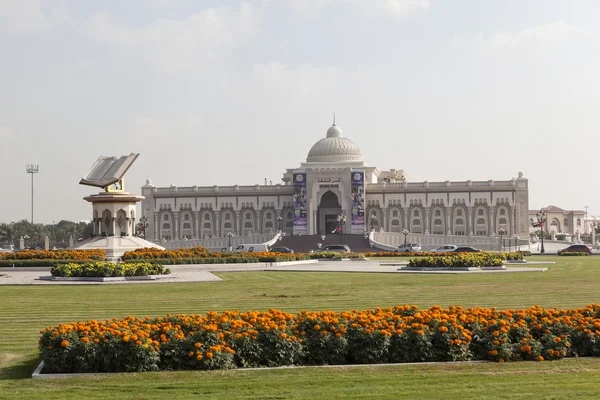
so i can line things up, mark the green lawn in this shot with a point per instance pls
(572, 282)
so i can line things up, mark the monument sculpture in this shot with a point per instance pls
(114, 210)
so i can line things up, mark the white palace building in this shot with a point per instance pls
(334, 181)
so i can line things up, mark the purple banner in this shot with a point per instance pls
(358, 199)
(299, 198)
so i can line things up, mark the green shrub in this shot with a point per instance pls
(108, 269)
(472, 260)
(573, 253)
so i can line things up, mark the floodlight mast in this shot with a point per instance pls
(32, 169)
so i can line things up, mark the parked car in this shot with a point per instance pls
(409, 247)
(576, 248)
(445, 248)
(7, 248)
(282, 250)
(340, 248)
(466, 249)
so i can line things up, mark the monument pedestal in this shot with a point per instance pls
(114, 225)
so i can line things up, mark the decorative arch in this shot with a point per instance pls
(480, 221)
(269, 220)
(166, 225)
(227, 222)
(121, 222)
(459, 221)
(395, 219)
(503, 219)
(186, 227)
(437, 221)
(248, 222)
(415, 220)
(207, 224)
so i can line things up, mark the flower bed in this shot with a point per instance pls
(107, 269)
(32, 263)
(276, 338)
(471, 260)
(573, 253)
(200, 255)
(517, 255)
(76, 255)
(333, 254)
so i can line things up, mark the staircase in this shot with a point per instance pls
(306, 243)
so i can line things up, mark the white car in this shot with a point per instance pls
(445, 248)
(409, 247)
(8, 248)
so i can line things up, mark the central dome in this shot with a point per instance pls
(334, 148)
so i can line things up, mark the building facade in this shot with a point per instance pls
(335, 189)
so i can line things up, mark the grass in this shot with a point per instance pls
(572, 282)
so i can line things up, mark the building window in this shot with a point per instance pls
(438, 213)
(187, 225)
(459, 213)
(395, 213)
(227, 217)
(207, 225)
(186, 217)
(227, 225)
(502, 211)
(480, 212)
(578, 222)
(553, 223)
(166, 217)
(207, 217)
(268, 215)
(502, 220)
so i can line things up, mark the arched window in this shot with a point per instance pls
(207, 225)
(207, 217)
(553, 223)
(268, 215)
(502, 211)
(438, 213)
(166, 217)
(459, 212)
(480, 212)
(460, 221)
(395, 213)
(395, 222)
(166, 225)
(578, 221)
(248, 224)
(227, 225)
(227, 217)
(186, 217)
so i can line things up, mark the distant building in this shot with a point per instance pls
(569, 222)
(335, 183)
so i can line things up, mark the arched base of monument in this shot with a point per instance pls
(116, 246)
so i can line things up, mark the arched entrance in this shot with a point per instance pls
(327, 213)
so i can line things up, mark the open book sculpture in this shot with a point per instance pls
(108, 172)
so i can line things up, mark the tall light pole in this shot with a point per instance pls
(405, 232)
(501, 232)
(32, 169)
(341, 219)
(229, 236)
(373, 220)
(280, 223)
(541, 217)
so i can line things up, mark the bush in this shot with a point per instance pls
(473, 260)
(107, 269)
(573, 253)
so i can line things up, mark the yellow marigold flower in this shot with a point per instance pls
(199, 357)
(283, 336)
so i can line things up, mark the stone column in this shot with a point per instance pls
(156, 227)
(94, 226)
(427, 220)
(100, 226)
(258, 221)
(114, 226)
(238, 223)
(448, 215)
(217, 224)
(198, 230)
(512, 229)
(176, 225)
(405, 215)
(491, 223)
(470, 221)
(384, 224)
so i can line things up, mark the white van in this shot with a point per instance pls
(7, 248)
(250, 248)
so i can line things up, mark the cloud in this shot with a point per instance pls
(545, 33)
(395, 8)
(25, 16)
(205, 37)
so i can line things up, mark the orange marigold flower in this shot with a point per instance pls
(197, 345)
(64, 343)
(316, 327)
(557, 339)
(540, 358)
(191, 354)
(209, 355)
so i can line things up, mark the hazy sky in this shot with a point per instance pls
(230, 92)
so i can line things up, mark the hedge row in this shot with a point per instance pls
(32, 263)
(108, 269)
(472, 260)
(517, 255)
(275, 338)
(574, 253)
(77, 255)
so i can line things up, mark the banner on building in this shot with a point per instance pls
(358, 199)
(299, 198)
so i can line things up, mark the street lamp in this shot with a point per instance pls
(280, 223)
(341, 220)
(405, 232)
(144, 223)
(229, 236)
(373, 221)
(501, 232)
(541, 217)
